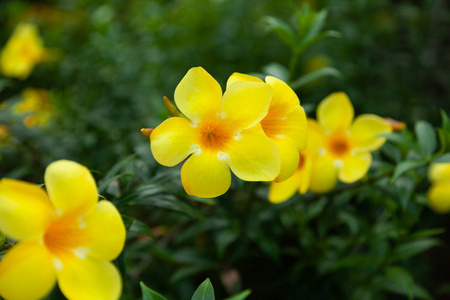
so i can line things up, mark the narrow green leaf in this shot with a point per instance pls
(305, 44)
(241, 296)
(445, 158)
(204, 292)
(317, 26)
(141, 227)
(427, 233)
(445, 121)
(399, 139)
(149, 294)
(282, 30)
(415, 247)
(405, 166)
(305, 79)
(426, 136)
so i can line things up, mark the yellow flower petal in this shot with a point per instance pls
(25, 210)
(281, 191)
(106, 231)
(439, 198)
(89, 279)
(289, 157)
(316, 136)
(171, 142)
(245, 104)
(335, 112)
(305, 172)
(206, 176)
(323, 175)
(242, 77)
(366, 129)
(355, 167)
(439, 172)
(26, 272)
(71, 187)
(291, 124)
(198, 94)
(283, 95)
(254, 157)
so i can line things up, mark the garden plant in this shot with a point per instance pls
(233, 150)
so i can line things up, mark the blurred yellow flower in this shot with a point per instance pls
(343, 144)
(35, 105)
(439, 192)
(22, 52)
(65, 236)
(4, 134)
(285, 123)
(221, 133)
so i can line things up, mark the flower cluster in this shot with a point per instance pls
(65, 236)
(22, 52)
(256, 129)
(338, 148)
(439, 192)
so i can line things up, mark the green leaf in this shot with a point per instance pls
(113, 174)
(149, 294)
(204, 292)
(305, 44)
(141, 227)
(277, 70)
(445, 121)
(305, 79)
(240, 296)
(282, 30)
(399, 139)
(400, 281)
(405, 166)
(427, 232)
(445, 158)
(426, 136)
(415, 247)
(317, 26)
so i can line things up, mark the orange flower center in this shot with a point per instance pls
(273, 123)
(339, 145)
(64, 235)
(214, 135)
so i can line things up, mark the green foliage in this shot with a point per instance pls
(366, 240)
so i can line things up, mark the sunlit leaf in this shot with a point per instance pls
(241, 296)
(405, 166)
(149, 294)
(204, 292)
(426, 136)
(305, 79)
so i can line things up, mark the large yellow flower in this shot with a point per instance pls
(285, 123)
(66, 236)
(343, 144)
(222, 133)
(439, 192)
(22, 52)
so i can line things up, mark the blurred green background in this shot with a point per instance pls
(118, 58)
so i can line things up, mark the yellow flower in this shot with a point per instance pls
(4, 134)
(343, 144)
(285, 123)
(35, 105)
(439, 192)
(300, 181)
(65, 236)
(222, 133)
(22, 52)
